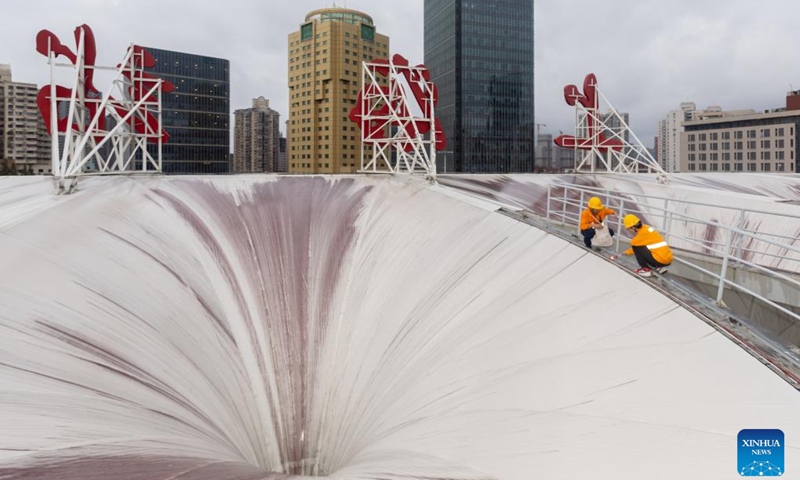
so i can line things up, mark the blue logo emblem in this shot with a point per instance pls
(761, 453)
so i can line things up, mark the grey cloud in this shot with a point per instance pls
(649, 55)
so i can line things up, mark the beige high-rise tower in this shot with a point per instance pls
(325, 58)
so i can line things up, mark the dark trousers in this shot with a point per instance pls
(588, 235)
(645, 258)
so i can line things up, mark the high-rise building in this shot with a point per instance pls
(550, 157)
(325, 58)
(615, 128)
(197, 114)
(480, 55)
(543, 152)
(24, 142)
(257, 138)
(614, 125)
(657, 150)
(743, 140)
(282, 166)
(669, 136)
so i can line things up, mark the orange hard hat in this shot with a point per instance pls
(595, 203)
(630, 220)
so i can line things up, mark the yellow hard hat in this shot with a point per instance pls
(595, 203)
(630, 220)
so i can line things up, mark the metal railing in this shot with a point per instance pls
(668, 214)
(570, 201)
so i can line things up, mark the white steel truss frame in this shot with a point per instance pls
(633, 157)
(81, 146)
(422, 155)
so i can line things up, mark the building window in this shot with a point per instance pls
(765, 167)
(702, 137)
(714, 146)
(779, 167)
(751, 134)
(726, 135)
(751, 167)
(737, 145)
(691, 147)
(691, 137)
(751, 144)
(765, 155)
(714, 136)
(703, 167)
(779, 132)
(765, 144)
(738, 167)
(751, 156)
(691, 157)
(691, 167)
(726, 167)
(779, 143)
(714, 167)
(779, 155)
(737, 135)
(765, 133)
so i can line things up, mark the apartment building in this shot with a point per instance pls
(743, 141)
(668, 152)
(24, 141)
(256, 138)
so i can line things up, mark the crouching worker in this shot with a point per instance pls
(652, 252)
(592, 218)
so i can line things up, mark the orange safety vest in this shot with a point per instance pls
(647, 236)
(587, 219)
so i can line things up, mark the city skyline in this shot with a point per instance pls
(648, 56)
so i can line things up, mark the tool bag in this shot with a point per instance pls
(602, 237)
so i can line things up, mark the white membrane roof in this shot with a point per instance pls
(229, 328)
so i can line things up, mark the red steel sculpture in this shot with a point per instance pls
(141, 83)
(379, 108)
(594, 135)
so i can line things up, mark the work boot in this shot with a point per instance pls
(643, 272)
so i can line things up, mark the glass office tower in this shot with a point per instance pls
(480, 54)
(197, 114)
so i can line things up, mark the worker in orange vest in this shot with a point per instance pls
(592, 218)
(652, 252)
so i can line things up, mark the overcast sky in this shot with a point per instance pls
(648, 55)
